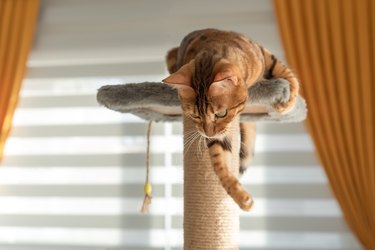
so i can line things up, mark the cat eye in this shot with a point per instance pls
(195, 116)
(221, 114)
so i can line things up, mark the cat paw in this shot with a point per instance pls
(270, 92)
(245, 202)
(238, 194)
(282, 107)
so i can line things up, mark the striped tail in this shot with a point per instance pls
(274, 68)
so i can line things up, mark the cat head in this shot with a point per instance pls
(211, 95)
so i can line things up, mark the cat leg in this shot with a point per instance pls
(247, 130)
(274, 68)
(171, 60)
(220, 152)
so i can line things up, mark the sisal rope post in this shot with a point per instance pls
(211, 217)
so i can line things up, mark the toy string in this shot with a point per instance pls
(147, 187)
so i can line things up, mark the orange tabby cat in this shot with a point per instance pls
(212, 71)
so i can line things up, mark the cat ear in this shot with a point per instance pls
(181, 80)
(227, 71)
(225, 86)
(182, 76)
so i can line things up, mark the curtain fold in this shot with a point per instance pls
(331, 46)
(17, 24)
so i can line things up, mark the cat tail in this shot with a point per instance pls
(274, 68)
(247, 130)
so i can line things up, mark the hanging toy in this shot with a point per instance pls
(147, 188)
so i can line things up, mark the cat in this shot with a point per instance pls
(212, 71)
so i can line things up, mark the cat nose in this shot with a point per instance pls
(209, 130)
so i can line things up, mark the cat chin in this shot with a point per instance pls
(218, 136)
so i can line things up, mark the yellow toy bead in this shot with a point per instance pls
(147, 188)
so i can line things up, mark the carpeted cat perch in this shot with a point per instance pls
(211, 217)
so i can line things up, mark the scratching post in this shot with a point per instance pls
(211, 219)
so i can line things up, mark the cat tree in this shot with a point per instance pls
(211, 217)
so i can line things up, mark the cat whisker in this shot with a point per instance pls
(188, 147)
(203, 145)
(200, 152)
(189, 141)
(190, 133)
(189, 136)
(198, 147)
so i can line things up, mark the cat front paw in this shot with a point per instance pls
(282, 107)
(242, 198)
(238, 193)
(245, 202)
(286, 102)
(270, 92)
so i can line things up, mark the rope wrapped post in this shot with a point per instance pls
(211, 217)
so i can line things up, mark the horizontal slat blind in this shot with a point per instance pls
(72, 177)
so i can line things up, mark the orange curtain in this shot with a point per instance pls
(331, 45)
(17, 24)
